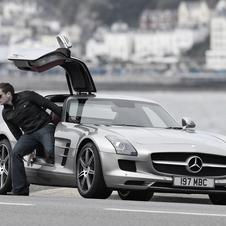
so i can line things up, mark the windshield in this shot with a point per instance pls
(119, 113)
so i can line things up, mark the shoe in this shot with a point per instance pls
(22, 194)
(50, 161)
(43, 161)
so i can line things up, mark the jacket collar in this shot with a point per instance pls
(14, 99)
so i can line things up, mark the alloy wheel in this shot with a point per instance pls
(86, 169)
(90, 180)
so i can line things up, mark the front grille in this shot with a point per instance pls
(176, 164)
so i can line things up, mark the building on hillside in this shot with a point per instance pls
(143, 45)
(17, 8)
(216, 56)
(221, 4)
(115, 43)
(158, 19)
(149, 44)
(187, 37)
(193, 13)
(27, 24)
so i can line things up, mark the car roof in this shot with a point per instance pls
(112, 96)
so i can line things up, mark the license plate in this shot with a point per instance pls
(193, 182)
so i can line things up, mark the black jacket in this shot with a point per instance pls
(27, 113)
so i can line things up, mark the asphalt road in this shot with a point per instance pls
(64, 206)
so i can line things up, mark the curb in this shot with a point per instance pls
(64, 192)
(158, 197)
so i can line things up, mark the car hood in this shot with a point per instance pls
(147, 136)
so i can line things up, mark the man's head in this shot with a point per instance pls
(6, 93)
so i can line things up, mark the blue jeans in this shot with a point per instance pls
(24, 146)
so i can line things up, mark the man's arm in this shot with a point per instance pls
(44, 102)
(15, 130)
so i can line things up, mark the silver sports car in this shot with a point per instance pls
(108, 142)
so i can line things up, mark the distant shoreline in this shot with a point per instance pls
(58, 82)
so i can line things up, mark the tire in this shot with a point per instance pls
(135, 195)
(89, 176)
(218, 199)
(5, 167)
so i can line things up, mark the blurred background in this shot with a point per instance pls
(173, 51)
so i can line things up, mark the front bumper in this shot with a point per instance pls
(169, 188)
(142, 176)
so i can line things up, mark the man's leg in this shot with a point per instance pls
(45, 136)
(24, 146)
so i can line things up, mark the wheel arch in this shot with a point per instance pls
(5, 176)
(81, 145)
(84, 142)
(98, 188)
(3, 136)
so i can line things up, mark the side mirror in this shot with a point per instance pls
(188, 123)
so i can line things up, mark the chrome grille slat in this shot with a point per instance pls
(176, 164)
(185, 163)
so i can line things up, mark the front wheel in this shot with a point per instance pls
(218, 199)
(90, 181)
(5, 170)
(135, 195)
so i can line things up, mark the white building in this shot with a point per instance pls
(158, 19)
(220, 5)
(216, 56)
(193, 13)
(187, 37)
(16, 8)
(95, 48)
(143, 46)
(116, 43)
(25, 24)
(119, 45)
(154, 43)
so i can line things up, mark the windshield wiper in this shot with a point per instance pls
(126, 125)
(172, 127)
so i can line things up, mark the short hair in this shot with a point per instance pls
(6, 87)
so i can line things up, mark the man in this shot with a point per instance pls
(31, 125)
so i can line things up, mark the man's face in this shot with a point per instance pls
(5, 98)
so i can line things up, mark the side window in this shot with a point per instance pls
(73, 108)
(72, 111)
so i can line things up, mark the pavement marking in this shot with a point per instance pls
(16, 204)
(167, 212)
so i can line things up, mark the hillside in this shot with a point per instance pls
(105, 12)
(89, 14)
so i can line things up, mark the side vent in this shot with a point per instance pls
(65, 155)
(127, 165)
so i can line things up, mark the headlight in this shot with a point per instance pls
(122, 146)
